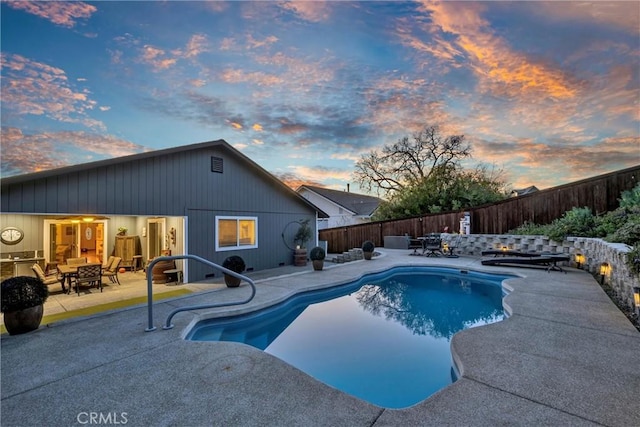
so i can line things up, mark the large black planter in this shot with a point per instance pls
(23, 321)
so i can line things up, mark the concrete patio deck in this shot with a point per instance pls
(565, 356)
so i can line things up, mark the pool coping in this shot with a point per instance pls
(565, 355)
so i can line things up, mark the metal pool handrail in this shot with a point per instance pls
(168, 324)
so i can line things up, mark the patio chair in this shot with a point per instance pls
(415, 244)
(432, 245)
(88, 274)
(108, 264)
(48, 279)
(76, 261)
(112, 271)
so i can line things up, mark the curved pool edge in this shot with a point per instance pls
(567, 356)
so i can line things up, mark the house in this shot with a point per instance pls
(523, 191)
(205, 199)
(343, 207)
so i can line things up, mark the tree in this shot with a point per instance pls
(409, 162)
(424, 175)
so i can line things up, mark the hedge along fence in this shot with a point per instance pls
(600, 194)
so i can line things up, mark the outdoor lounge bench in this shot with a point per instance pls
(513, 253)
(550, 261)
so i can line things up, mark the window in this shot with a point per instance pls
(236, 232)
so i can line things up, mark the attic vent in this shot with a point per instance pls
(216, 164)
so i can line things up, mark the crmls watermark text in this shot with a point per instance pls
(102, 418)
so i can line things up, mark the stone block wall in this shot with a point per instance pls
(595, 251)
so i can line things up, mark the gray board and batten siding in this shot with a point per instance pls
(198, 181)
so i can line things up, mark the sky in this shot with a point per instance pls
(548, 92)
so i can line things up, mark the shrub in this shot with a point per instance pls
(22, 292)
(317, 254)
(633, 259)
(368, 246)
(576, 222)
(530, 229)
(630, 198)
(629, 234)
(234, 263)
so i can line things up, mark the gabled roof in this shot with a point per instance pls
(220, 143)
(359, 204)
(523, 191)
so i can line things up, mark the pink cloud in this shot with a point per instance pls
(36, 88)
(32, 153)
(59, 12)
(160, 60)
(313, 11)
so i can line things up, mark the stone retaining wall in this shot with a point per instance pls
(595, 251)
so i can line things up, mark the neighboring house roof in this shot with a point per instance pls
(359, 204)
(523, 191)
(19, 179)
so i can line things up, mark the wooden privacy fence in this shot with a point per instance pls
(600, 194)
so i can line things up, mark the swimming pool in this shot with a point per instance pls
(384, 338)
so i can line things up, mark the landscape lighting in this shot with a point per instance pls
(604, 270)
(579, 260)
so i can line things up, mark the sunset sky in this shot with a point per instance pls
(547, 91)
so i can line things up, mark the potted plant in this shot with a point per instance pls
(317, 255)
(122, 231)
(302, 236)
(367, 249)
(22, 299)
(236, 264)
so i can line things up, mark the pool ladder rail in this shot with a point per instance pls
(168, 324)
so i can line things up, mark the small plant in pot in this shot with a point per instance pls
(317, 255)
(302, 236)
(22, 299)
(367, 249)
(236, 264)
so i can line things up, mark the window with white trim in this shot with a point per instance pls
(236, 232)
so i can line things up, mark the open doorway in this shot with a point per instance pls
(156, 237)
(73, 239)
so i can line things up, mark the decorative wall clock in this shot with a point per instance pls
(11, 235)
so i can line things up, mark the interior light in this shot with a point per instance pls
(87, 219)
(579, 259)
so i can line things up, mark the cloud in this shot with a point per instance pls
(160, 60)
(259, 44)
(157, 58)
(499, 69)
(35, 88)
(313, 11)
(619, 14)
(312, 175)
(60, 13)
(547, 164)
(23, 153)
(240, 76)
(197, 44)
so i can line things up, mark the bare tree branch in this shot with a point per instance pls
(409, 162)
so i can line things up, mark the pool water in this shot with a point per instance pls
(385, 338)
